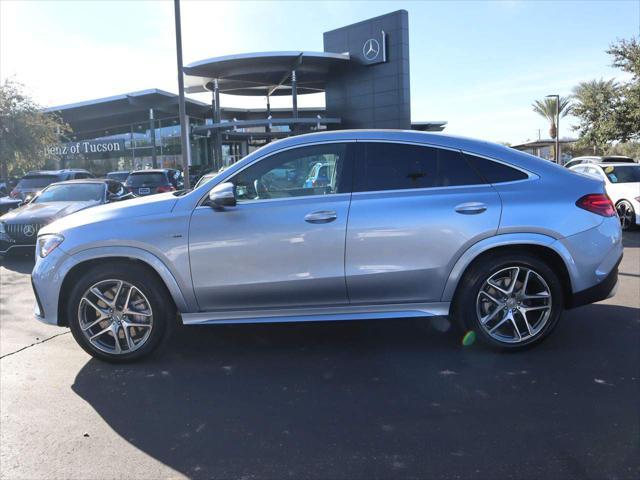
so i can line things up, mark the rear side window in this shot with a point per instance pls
(37, 181)
(396, 166)
(494, 172)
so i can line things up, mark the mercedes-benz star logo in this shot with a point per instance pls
(371, 49)
(29, 231)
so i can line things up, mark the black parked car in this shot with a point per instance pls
(148, 182)
(6, 185)
(33, 182)
(119, 175)
(19, 227)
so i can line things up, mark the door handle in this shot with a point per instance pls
(322, 216)
(471, 208)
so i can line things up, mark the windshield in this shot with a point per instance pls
(624, 174)
(79, 192)
(37, 181)
(139, 179)
(205, 179)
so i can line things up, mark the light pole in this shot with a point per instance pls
(557, 149)
(184, 134)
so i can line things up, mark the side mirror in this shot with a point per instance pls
(223, 195)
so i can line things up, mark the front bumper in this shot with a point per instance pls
(46, 280)
(9, 245)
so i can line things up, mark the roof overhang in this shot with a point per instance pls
(264, 73)
(103, 113)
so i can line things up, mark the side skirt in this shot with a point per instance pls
(319, 314)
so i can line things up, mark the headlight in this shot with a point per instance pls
(48, 243)
(2, 230)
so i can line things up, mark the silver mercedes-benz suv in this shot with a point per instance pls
(399, 224)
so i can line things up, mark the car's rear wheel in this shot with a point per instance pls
(510, 300)
(626, 214)
(119, 312)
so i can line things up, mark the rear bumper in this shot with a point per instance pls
(601, 291)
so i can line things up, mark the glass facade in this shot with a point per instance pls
(131, 147)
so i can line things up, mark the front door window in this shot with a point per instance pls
(300, 172)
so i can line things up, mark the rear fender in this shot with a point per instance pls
(497, 241)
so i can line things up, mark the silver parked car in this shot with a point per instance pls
(408, 224)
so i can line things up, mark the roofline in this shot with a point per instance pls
(252, 55)
(610, 164)
(122, 96)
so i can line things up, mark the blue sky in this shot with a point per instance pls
(478, 65)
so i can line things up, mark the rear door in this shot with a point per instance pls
(414, 210)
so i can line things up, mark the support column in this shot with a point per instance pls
(268, 128)
(217, 117)
(294, 98)
(152, 131)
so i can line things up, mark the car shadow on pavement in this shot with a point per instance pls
(379, 399)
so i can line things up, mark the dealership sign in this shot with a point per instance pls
(86, 147)
(374, 50)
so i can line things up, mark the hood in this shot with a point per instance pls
(45, 212)
(126, 209)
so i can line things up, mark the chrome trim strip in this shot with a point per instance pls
(319, 314)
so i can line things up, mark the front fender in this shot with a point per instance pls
(501, 241)
(182, 294)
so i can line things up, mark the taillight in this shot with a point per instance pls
(14, 193)
(165, 188)
(598, 203)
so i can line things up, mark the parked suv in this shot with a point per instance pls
(35, 181)
(409, 224)
(149, 182)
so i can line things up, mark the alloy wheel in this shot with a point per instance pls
(514, 304)
(115, 317)
(625, 214)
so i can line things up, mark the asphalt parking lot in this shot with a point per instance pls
(378, 399)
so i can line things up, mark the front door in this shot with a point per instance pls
(283, 244)
(414, 210)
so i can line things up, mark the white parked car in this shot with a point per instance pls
(622, 182)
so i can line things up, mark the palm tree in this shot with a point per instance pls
(547, 108)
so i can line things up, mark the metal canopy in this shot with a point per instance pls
(265, 73)
(125, 109)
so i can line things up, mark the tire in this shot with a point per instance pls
(147, 330)
(476, 300)
(626, 214)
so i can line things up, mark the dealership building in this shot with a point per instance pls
(363, 73)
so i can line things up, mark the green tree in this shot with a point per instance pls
(25, 131)
(626, 56)
(628, 149)
(595, 105)
(547, 108)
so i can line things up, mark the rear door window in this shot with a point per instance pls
(494, 172)
(398, 166)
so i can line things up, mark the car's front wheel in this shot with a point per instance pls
(510, 300)
(119, 312)
(626, 214)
